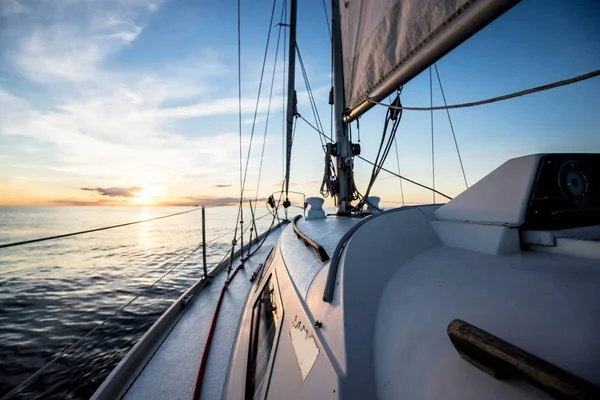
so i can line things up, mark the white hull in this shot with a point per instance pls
(397, 280)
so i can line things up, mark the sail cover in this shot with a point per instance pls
(380, 37)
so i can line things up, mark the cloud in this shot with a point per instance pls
(100, 123)
(79, 203)
(115, 191)
(70, 40)
(8, 7)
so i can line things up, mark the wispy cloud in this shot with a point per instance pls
(115, 191)
(101, 122)
(8, 7)
(81, 203)
(67, 40)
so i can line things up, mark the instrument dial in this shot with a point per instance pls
(571, 180)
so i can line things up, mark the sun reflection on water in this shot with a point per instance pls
(144, 236)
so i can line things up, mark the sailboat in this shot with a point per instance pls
(492, 295)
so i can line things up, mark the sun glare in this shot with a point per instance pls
(145, 196)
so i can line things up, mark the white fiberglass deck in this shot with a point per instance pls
(545, 304)
(172, 370)
(401, 281)
(371, 322)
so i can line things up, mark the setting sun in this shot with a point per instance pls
(145, 196)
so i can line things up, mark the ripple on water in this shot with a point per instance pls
(53, 293)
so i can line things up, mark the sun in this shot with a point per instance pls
(145, 196)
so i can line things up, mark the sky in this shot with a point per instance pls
(119, 102)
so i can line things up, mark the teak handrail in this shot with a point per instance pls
(503, 360)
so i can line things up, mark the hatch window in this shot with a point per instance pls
(266, 319)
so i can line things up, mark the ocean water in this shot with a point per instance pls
(52, 293)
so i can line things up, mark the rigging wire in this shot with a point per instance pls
(283, 91)
(229, 233)
(327, 20)
(406, 179)
(260, 84)
(205, 354)
(43, 239)
(399, 173)
(329, 182)
(537, 89)
(262, 154)
(432, 139)
(287, 203)
(78, 341)
(311, 97)
(245, 173)
(122, 308)
(451, 126)
(316, 129)
(240, 216)
(394, 116)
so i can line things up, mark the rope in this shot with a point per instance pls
(72, 345)
(329, 182)
(537, 89)
(406, 179)
(43, 239)
(385, 145)
(451, 127)
(211, 331)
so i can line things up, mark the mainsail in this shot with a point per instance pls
(386, 43)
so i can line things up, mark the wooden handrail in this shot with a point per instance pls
(321, 253)
(503, 360)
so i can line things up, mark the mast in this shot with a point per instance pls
(342, 148)
(291, 99)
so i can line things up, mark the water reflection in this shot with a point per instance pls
(55, 292)
(144, 230)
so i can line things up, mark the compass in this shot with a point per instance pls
(572, 180)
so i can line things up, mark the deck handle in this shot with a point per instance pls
(503, 360)
(321, 253)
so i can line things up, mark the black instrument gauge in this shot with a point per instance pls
(572, 180)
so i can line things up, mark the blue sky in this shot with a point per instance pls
(142, 95)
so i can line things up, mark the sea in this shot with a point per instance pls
(53, 293)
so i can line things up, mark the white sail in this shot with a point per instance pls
(385, 43)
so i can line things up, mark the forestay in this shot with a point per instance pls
(386, 43)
